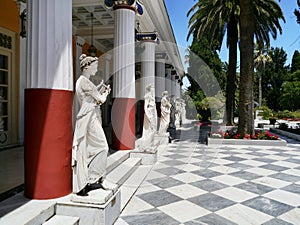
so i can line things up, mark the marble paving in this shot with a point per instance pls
(195, 184)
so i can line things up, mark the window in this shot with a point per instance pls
(5, 75)
(8, 89)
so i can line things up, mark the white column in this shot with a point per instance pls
(22, 77)
(173, 85)
(107, 67)
(169, 81)
(107, 75)
(160, 84)
(148, 66)
(50, 44)
(124, 56)
(79, 43)
(123, 108)
(178, 89)
(48, 99)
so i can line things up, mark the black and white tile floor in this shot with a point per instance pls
(196, 184)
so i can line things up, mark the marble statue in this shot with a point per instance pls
(150, 121)
(178, 111)
(165, 113)
(172, 126)
(183, 111)
(90, 148)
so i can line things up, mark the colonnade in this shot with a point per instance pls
(49, 91)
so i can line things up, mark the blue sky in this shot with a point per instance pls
(289, 40)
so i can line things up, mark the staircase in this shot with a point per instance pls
(126, 172)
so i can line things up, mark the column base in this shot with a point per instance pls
(123, 124)
(48, 143)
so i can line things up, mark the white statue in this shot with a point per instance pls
(90, 148)
(150, 121)
(165, 113)
(183, 111)
(178, 110)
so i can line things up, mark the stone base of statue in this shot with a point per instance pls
(97, 197)
(172, 131)
(99, 207)
(161, 139)
(148, 157)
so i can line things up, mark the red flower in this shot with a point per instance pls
(247, 136)
(237, 136)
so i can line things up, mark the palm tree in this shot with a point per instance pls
(297, 12)
(215, 18)
(246, 117)
(261, 57)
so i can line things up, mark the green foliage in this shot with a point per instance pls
(290, 98)
(215, 104)
(295, 61)
(275, 74)
(297, 12)
(266, 113)
(285, 114)
(205, 63)
(204, 74)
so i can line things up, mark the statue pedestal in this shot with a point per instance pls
(100, 207)
(161, 139)
(97, 197)
(147, 157)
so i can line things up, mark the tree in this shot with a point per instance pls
(290, 98)
(220, 16)
(261, 58)
(297, 12)
(276, 73)
(204, 74)
(295, 61)
(246, 114)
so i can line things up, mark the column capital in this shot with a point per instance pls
(80, 41)
(161, 56)
(125, 4)
(108, 56)
(147, 37)
(21, 5)
(169, 66)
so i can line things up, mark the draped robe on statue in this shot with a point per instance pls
(90, 148)
(150, 123)
(165, 115)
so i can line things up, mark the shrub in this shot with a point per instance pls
(266, 113)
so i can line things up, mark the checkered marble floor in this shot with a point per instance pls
(196, 184)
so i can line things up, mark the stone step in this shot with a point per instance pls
(62, 220)
(31, 213)
(120, 174)
(91, 212)
(116, 159)
(130, 186)
(119, 168)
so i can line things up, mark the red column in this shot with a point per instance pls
(48, 142)
(123, 108)
(48, 100)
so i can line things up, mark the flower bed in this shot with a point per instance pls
(231, 137)
(232, 134)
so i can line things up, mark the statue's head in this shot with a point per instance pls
(164, 93)
(149, 88)
(86, 61)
